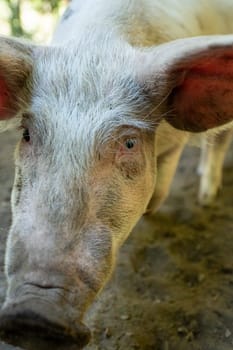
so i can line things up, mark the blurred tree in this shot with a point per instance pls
(46, 6)
(15, 17)
(15, 9)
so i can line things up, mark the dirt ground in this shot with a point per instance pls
(173, 284)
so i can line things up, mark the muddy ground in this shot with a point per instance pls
(173, 284)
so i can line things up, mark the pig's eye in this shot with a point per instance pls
(26, 135)
(130, 143)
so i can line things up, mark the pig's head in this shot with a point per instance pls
(86, 164)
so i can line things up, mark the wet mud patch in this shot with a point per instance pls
(173, 284)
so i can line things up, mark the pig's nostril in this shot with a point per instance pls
(33, 332)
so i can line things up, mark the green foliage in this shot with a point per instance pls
(15, 13)
(15, 8)
(45, 6)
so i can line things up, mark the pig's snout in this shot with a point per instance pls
(22, 326)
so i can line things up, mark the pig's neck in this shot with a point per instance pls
(146, 22)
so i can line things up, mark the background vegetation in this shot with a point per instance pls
(32, 19)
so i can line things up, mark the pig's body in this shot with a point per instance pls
(146, 22)
(106, 111)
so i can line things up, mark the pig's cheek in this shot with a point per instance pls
(130, 167)
(130, 170)
(136, 186)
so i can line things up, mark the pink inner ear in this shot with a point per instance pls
(204, 99)
(4, 100)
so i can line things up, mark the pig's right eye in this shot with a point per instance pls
(26, 135)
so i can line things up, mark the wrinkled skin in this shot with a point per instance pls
(93, 124)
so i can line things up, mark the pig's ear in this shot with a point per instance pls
(15, 74)
(193, 81)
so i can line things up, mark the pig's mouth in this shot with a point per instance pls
(25, 326)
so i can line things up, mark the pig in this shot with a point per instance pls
(105, 112)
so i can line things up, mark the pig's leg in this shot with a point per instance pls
(213, 153)
(166, 167)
